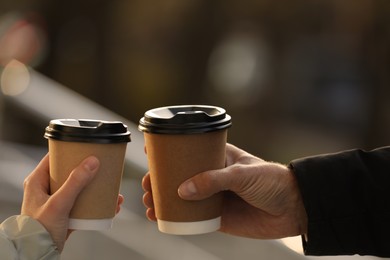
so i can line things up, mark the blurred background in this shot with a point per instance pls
(298, 77)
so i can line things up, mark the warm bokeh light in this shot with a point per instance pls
(15, 78)
(21, 38)
(238, 66)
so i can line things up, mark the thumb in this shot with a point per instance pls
(78, 179)
(205, 184)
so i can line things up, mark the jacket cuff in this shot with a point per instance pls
(30, 238)
(346, 200)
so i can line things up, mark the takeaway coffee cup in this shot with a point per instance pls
(182, 141)
(70, 142)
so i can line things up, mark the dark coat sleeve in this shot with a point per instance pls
(347, 200)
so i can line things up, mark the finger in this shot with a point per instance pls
(151, 215)
(205, 184)
(36, 187)
(79, 178)
(120, 202)
(39, 178)
(208, 183)
(234, 154)
(146, 184)
(148, 200)
(237, 155)
(121, 199)
(43, 164)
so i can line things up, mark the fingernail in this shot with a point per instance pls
(187, 189)
(91, 163)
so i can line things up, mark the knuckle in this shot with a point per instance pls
(26, 183)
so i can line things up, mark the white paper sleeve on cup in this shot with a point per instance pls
(189, 228)
(90, 224)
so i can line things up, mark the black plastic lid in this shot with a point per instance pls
(85, 130)
(186, 119)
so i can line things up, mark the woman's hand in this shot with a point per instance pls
(52, 211)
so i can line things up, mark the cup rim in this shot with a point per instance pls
(184, 119)
(87, 130)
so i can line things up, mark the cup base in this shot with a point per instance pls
(189, 228)
(90, 224)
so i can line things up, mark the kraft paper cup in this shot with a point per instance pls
(70, 142)
(182, 141)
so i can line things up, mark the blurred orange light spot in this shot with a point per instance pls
(15, 78)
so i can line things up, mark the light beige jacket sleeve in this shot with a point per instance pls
(24, 238)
